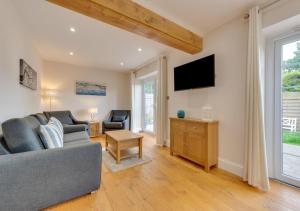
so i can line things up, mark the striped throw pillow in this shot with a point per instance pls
(52, 134)
(56, 122)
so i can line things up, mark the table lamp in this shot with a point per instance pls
(93, 111)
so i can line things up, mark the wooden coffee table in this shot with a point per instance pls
(119, 140)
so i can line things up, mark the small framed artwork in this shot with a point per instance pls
(88, 88)
(28, 76)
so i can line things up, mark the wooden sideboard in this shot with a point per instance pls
(195, 140)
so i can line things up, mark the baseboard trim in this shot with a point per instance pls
(232, 167)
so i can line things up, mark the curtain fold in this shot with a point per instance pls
(255, 165)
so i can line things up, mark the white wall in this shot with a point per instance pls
(15, 43)
(62, 77)
(229, 44)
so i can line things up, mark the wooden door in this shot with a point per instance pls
(195, 147)
(178, 136)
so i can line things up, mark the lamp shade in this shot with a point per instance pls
(50, 92)
(93, 110)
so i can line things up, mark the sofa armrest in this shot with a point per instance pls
(37, 179)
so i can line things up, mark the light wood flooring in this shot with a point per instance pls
(171, 183)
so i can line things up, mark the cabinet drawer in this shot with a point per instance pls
(178, 125)
(199, 128)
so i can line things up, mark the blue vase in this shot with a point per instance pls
(180, 114)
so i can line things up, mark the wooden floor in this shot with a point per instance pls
(171, 183)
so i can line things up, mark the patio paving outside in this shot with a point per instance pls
(291, 160)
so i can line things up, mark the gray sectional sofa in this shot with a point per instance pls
(32, 177)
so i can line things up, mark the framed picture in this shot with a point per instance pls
(28, 76)
(88, 88)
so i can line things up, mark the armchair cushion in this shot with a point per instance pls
(118, 118)
(113, 125)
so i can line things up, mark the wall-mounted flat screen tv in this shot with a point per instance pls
(197, 74)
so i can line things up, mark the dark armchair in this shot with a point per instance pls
(68, 121)
(117, 120)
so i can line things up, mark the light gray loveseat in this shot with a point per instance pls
(32, 177)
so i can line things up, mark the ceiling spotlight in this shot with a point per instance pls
(140, 49)
(71, 53)
(122, 63)
(72, 29)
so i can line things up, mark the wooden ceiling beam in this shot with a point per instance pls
(132, 17)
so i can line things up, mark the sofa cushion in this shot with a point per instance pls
(41, 118)
(74, 128)
(118, 118)
(78, 142)
(63, 116)
(113, 125)
(70, 137)
(3, 146)
(21, 135)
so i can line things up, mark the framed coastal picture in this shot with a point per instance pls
(28, 76)
(88, 88)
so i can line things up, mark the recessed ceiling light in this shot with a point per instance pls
(140, 49)
(122, 63)
(72, 29)
(71, 53)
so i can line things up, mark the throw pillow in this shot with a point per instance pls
(51, 135)
(56, 122)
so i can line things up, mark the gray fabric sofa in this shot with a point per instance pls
(33, 178)
(70, 123)
(117, 120)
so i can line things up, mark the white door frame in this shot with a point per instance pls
(278, 152)
(150, 78)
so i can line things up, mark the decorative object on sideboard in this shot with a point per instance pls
(180, 114)
(49, 94)
(93, 112)
(207, 113)
(28, 76)
(88, 88)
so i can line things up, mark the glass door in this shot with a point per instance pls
(287, 110)
(149, 104)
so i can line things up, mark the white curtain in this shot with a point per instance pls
(133, 115)
(255, 166)
(161, 110)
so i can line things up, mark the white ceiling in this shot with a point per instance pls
(97, 44)
(201, 16)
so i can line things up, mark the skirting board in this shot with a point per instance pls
(231, 167)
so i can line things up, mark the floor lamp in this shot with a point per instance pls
(50, 94)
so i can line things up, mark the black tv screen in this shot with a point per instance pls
(197, 74)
